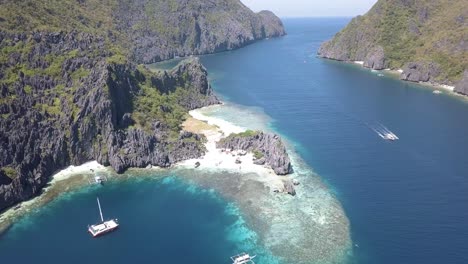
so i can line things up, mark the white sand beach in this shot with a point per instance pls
(86, 168)
(214, 160)
(446, 87)
(431, 85)
(250, 186)
(223, 160)
(63, 181)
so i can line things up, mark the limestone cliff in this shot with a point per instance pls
(427, 39)
(86, 109)
(150, 30)
(193, 27)
(71, 90)
(267, 148)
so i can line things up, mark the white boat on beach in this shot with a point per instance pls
(242, 258)
(97, 179)
(103, 227)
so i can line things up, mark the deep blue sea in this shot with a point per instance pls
(407, 201)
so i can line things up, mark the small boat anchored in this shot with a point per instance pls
(242, 258)
(103, 227)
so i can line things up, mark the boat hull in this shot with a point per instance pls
(103, 228)
(101, 233)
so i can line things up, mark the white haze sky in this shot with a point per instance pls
(311, 8)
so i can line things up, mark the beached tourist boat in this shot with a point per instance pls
(242, 258)
(98, 180)
(103, 227)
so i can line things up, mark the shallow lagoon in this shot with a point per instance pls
(162, 219)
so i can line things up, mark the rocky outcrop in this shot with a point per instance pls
(416, 36)
(375, 59)
(372, 56)
(192, 72)
(354, 43)
(160, 30)
(149, 30)
(268, 147)
(289, 187)
(420, 72)
(71, 91)
(60, 107)
(462, 86)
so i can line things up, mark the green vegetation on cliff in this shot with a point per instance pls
(92, 16)
(245, 134)
(148, 30)
(418, 31)
(151, 104)
(71, 89)
(10, 172)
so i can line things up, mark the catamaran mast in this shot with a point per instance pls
(100, 211)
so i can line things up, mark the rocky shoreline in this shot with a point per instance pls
(309, 227)
(267, 148)
(100, 124)
(399, 73)
(72, 92)
(412, 75)
(407, 36)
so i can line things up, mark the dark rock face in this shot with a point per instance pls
(260, 161)
(355, 46)
(412, 35)
(289, 187)
(81, 110)
(420, 72)
(462, 86)
(160, 30)
(4, 180)
(354, 43)
(376, 59)
(270, 145)
(70, 91)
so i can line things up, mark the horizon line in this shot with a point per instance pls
(317, 16)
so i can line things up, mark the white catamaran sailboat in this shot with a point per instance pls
(103, 227)
(242, 258)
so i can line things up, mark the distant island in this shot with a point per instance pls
(73, 88)
(425, 40)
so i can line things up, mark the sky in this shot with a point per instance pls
(312, 8)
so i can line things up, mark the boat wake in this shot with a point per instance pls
(377, 127)
(383, 132)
